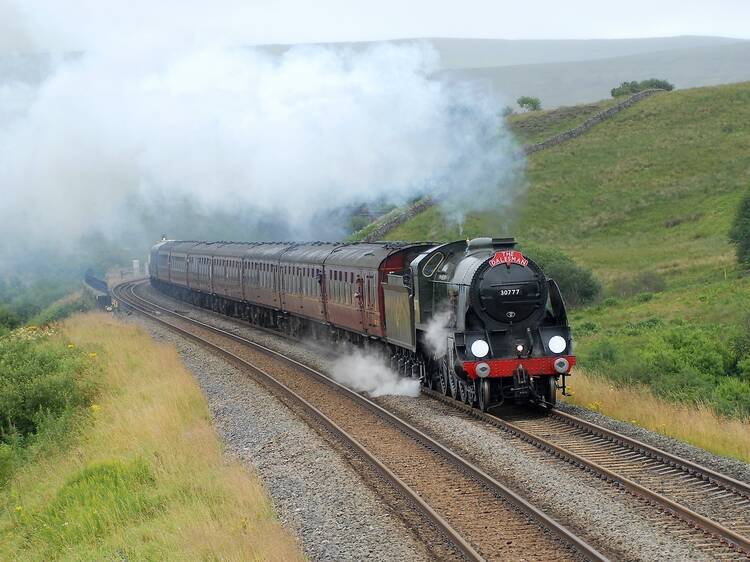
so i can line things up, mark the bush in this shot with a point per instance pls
(732, 397)
(683, 363)
(633, 87)
(577, 283)
(740, 232)
(528, 103)
(39, 380)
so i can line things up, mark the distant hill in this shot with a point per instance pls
(482, 53)
(568, 83)
(559, 72)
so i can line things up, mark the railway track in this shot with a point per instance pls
(454, 496)
(712, 504)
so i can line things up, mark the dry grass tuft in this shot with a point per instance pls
(699, 426)
(146, 479)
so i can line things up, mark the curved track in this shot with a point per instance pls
(464, 503)
(714, 505)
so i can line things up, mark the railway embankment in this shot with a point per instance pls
(122, 462)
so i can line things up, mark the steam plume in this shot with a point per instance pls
(293, 136)
(364, 373)
(436, 334)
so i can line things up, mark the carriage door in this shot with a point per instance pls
(370, 306)
(361, 299)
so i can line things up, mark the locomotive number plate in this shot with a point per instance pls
(509, 292)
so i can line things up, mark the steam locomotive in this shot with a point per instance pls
(476, 320)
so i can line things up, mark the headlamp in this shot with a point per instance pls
(557, 344)
(480, 348)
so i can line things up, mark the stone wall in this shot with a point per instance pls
(590, 122)
(394, 220)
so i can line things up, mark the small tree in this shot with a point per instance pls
(508, 111)
(740, 233)
(633, 87)
(656, 83)
(528, 103)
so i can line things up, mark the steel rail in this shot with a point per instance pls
(468, 550)
(657, 454)
(730, 537)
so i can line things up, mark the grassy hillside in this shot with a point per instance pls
(537, 126)
(646, 200)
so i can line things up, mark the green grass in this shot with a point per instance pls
(136, 472)
(44, 385)
(536, 126)
(652, 190)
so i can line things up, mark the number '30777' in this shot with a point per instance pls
(509, 292)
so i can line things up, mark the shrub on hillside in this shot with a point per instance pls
(682, 362)
(40, 380)
(740, 232)
(529, 103)
(577, 283)
(633, 87)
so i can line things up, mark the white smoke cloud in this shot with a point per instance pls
(437, 332)
(365, 373)
(291, 135)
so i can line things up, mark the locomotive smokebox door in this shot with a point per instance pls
(509, 292)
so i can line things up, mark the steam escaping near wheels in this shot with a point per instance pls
(436, 334)
(368, 373)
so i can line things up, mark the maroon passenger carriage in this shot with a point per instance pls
(503, 322)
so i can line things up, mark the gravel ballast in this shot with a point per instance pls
(316, 492)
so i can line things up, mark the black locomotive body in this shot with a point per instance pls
(475, 319)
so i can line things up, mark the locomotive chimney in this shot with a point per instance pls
(478, 244)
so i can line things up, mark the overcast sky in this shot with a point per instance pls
(27, 25)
